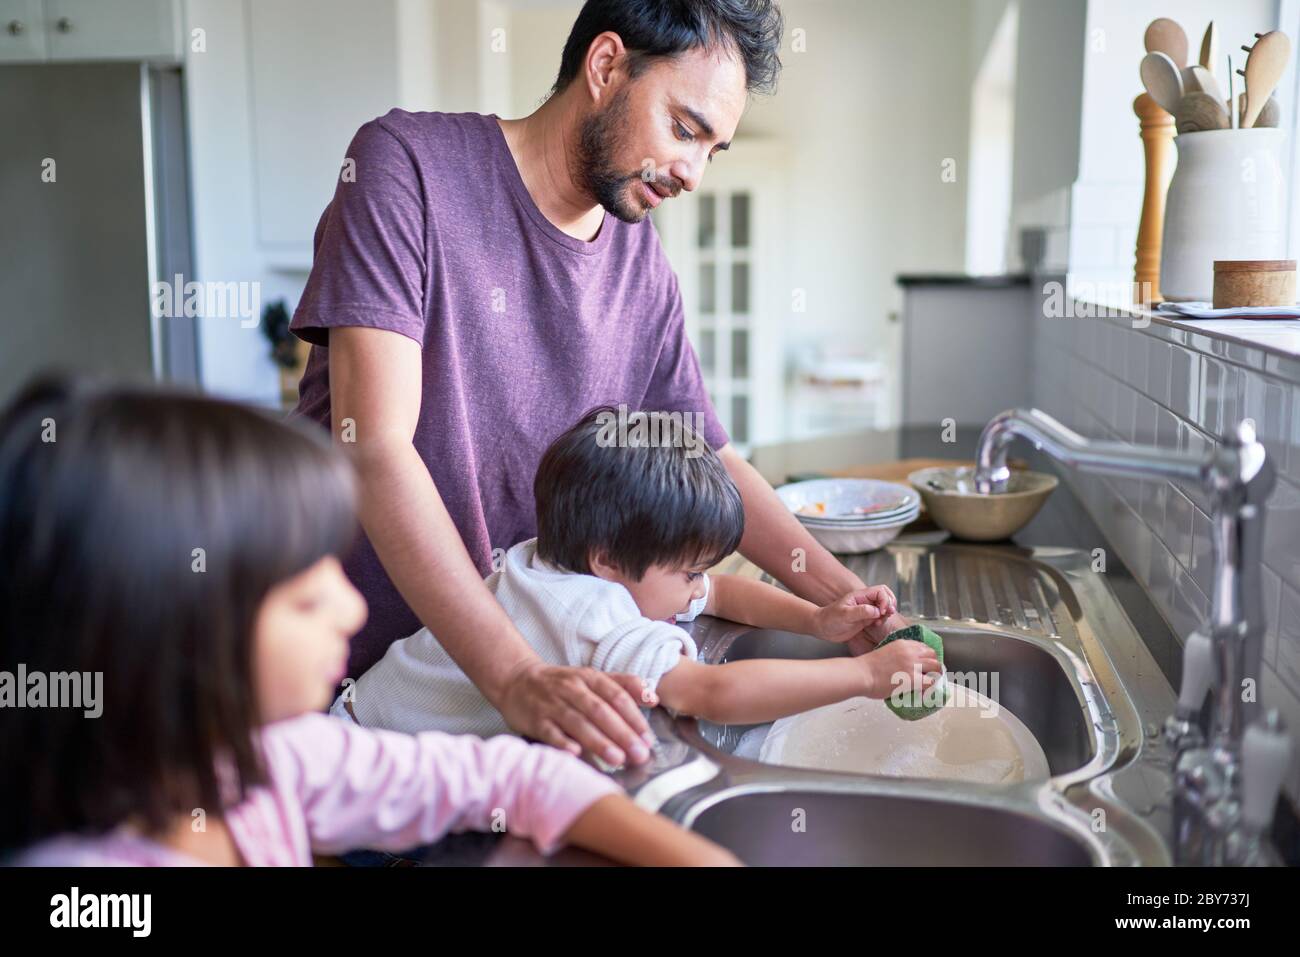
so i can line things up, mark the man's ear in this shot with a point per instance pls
(604, 56)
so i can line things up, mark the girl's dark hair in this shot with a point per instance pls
(105, 497)
(667, 28)
(648, 494)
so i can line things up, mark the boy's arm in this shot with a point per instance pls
(753, 602)
(757, 603)
(751, 692)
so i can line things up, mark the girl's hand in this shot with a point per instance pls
(901, 665)
(859, 613)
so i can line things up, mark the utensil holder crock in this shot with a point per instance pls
(1227, 200)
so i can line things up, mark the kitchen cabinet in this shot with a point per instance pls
(22, 34)
(967, 348)
(54, 30)
(305, 58)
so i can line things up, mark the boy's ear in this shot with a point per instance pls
(600, 566)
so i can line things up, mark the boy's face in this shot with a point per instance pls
(663, 590)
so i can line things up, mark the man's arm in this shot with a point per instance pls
(375, 381)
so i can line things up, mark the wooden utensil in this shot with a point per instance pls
(1202, 80)
(1210, 47)
(1157, 127)
(1264, 67)
(1232, 96)
(1161, 77)
(1165, 36)
(1200, 111)
(1270, 115)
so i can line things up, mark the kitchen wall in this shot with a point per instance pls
(868, 112)
(1179, 389)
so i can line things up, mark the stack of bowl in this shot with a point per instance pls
(851, 515)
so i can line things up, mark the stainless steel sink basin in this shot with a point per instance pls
(791, 827)
(1067, 662)
(1029, 679)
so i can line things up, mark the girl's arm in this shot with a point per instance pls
(615, 827)
(359, 787)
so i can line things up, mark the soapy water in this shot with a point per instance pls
(972, 738)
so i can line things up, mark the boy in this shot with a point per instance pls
(628, 521)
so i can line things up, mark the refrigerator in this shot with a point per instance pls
(94, 208)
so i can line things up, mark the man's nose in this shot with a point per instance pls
(688, 172)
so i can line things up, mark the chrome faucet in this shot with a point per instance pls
(1212, 812)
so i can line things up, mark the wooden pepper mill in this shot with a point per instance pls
(1158, 146)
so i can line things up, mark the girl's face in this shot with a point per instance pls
(301, 640)
(662, 592)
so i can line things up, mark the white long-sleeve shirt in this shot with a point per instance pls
(568, 619)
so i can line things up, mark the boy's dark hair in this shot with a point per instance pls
(667, 28)
(600, 489)
(104, 496)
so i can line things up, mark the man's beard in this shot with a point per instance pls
(593, 169)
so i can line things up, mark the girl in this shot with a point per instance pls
(177, 554)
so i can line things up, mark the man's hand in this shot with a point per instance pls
(579, 709)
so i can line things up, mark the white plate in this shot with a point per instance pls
(842, 495)
(892, 518)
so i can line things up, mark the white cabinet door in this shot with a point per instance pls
(319, 69)
(122, 29)
(22, 31)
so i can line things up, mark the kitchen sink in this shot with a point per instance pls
(793, 827)
(1027, 678)
(1067, 662)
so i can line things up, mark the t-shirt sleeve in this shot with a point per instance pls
(676, 384)
(382, 789)
(369, 267)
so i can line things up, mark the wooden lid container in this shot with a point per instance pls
(1240, 283)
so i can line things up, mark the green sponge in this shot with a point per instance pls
(914, 707)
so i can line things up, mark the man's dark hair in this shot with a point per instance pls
(667, 28)
(649, 494)
(105, 493)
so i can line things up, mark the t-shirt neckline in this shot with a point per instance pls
(525, 198)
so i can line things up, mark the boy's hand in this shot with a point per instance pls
(902, 664)
(854, 614)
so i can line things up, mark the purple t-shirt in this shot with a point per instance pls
(523, 327)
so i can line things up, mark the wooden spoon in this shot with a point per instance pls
(1165, 36)
(1163, 81)
(1202, 80)
(1210, 47)
(1200, 111)
(1264, 67)
(1270, 115)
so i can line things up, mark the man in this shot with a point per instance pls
(480, 283)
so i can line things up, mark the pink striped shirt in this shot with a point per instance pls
(335, 786)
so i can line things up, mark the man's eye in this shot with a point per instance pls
(683, 133)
